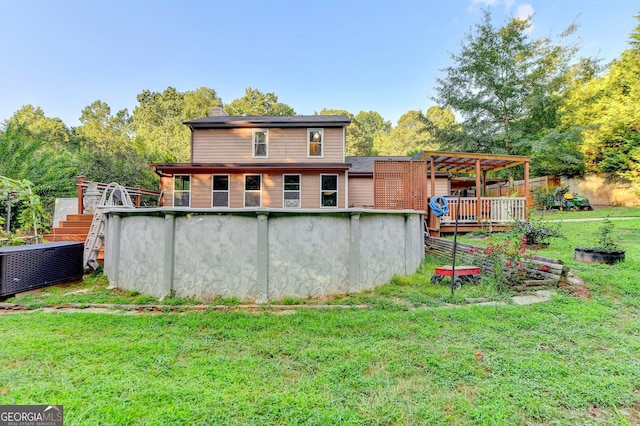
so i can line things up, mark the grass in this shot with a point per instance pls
(411, 357)
(403, 292)
(596, 213)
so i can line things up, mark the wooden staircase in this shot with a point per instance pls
(75, 228)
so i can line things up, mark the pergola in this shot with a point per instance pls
(475, 164)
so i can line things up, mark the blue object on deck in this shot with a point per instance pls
(439, 205)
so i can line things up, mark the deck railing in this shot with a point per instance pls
(492, 210)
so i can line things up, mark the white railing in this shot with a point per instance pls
(492, 209)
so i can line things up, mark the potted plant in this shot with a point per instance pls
(537, 233)
(606, 249)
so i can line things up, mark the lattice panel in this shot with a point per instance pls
(419, 185)
(399, 185)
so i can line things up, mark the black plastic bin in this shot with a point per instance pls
(31, 266)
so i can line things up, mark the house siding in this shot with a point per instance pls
(361, 191)
(442, 187)
(201, 191)
(166, 187)
(272, 189)
(236, 188)
(285, 146)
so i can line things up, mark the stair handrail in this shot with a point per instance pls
(114, 195)
(137, 191)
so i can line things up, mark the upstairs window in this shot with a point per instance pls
(220, 196)
(291, 191)
(252, 190)
(260, 139)
(329, 190)
(181, 190)
(315, 139)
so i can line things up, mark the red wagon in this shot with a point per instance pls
(463, 275)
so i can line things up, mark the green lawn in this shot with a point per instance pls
(415, 355)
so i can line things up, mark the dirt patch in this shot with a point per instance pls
(631, 414)
(577, 291)
(575, 287)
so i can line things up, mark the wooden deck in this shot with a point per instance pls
(491, 213)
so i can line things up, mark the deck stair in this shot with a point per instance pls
(114, 195)
(74, 228)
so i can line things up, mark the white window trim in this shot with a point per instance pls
(244, 189)
(322, 142)
(299, 191)
(253, 143)
(173, 182)
(213, 191)
(337, 190)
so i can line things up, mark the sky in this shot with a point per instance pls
(383, 56)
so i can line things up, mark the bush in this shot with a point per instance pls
(507, 262)
(543, 199)
(536, 231)
(605, 238)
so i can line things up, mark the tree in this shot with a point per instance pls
(198, 103)
(30, 213)
(32, 122)
(52, 172)
(556, 153)
(370, 124)
(158, 120)
(607, 110)
(101, 130)
(255, 103)
(414, 133)
(503, 84)
(123, 165)
(356, 141)
(107, 152)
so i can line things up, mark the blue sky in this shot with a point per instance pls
(379, 56)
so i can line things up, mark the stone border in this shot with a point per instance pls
(539, 296)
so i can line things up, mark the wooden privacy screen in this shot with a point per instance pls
(399, 185)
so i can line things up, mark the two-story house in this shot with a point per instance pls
(299, 162)
(275, 162)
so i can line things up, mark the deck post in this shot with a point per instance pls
(478, 192)
(433, 177)
(526, 189)
(79, 183)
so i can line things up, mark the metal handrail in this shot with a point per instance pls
(137, 191)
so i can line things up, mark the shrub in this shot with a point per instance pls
(506, 261)
(605, 238)
(543, 199)
(535, 230)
